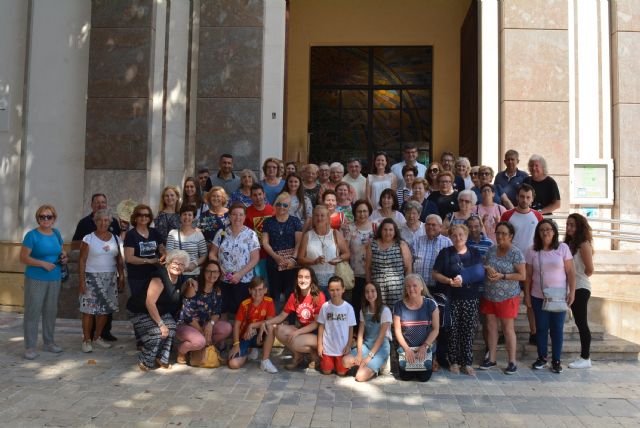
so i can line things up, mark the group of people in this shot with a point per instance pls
(326, 263)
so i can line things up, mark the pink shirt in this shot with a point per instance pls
(553, 272)
(488, 216)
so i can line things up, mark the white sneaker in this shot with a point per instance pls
(253, 355)
(86, 346)
(101, 343)
(581, 363)
(267, 366)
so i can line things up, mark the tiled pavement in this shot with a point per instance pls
(106, 389)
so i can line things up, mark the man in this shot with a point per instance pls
(257, 213)
(356, 179)
(87, 226)
(547, 195)
(511, 178)
(448, 161)
(524, 221)
(225, 177)
(204, 181)
(410, 155)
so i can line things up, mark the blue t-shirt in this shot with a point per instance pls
(510, 185)
(46, 248)
(272, 192)
(282, 236)
(416, 324)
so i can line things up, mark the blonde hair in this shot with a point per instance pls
(420, 280)
(46, 207)
(225, 197)
(175, 189)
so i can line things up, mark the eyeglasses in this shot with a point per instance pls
(177, 264)
(211, 271)
(282, 205)
(484, 173)
(473, 174)
(466, 201)
(545, 229)
(445, 182)
(434, 171)
(502, 233)
(144, 215)
(46, 217)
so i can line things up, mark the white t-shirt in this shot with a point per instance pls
(359, 184)
(102, 254)
(336, 321)
(385, 316)
(525, 226)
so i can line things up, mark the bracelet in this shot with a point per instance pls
(161, 324)
(371, 354)
(237, 342)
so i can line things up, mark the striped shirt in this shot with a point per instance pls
(424, 252)
(482, 245)
(194, 244)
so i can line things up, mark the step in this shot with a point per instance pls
(570, 331)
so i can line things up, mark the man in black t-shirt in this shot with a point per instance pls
(547, 194)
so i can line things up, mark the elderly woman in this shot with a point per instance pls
(323, 176)
(461, 268)
(485, 176)
(416, 323)
(237, 249)
(42, 253)
(388, 208)
(168, 213)
(413, 228)
(547, 195)
(409, 173)
(242, 194)
(388, 260)
(322, 248)
(549, 264)
(310, 182)
(191, 240)
(300, 205)
(152, 309)
(446, 199)
(466, 203)
(272, 183)
(380, 178)
(463, 168)
(199, 323)
(100, 272)
(473, 173)
(505, 268)
(489, 211)
(420, 195)
(336, 174)
(344, 197)
(192, 196)
(217, 216)
(301, 338)
(281, 236)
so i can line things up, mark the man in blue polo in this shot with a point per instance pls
(511, 178)
(225, 177)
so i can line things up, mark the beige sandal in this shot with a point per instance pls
(454, 368)
(468, 370)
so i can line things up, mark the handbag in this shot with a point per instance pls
(64, 267)
(417, 365)
(206, 358)
(287, 253)
(344, 271)
(555, 299)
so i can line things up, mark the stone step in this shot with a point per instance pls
(570, 331)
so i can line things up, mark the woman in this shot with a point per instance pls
(100, 273)
(143, 248)
(43, 254)
(301, 338)
(578, 238)
(322, 248)
(359, 235)
(419, 195)
(343, 200)
(409, 173)
(272, 182)
(217, 216)
(237, 249)
(281, 236)
(380, 178)
(413, 228)
(466, 202)
(463, 167)
(446, 199)
(433, 170)
(461, 268)
(505, 267)
(243, 193)
(300, 205)
(549, 265)
(323, 177)
(485, 176)
(290, 168)
(199, 323)
(489, 211)
(192, 196)
(473, 173)
(387, 261)
(309, 182)
(372, 344)
(388, 208)
(336, 218)
(281, 169)
(191, 240)
(152, 308)
(168, 214)
(416, 323)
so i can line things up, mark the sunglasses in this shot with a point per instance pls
(46, 217)
(144, 215)
(484, 174)
(211, 271)
(282, 205)
(473, 174)
(434, 171)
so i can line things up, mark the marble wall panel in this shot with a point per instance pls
(535, 65)
(625, 15)
(540, 14)
(230, 62)
(228, 125)
(121, 13)
(538, 128)
(231, 13)
(626, 129)
(117, 133)
(625, 54)
(117, 185)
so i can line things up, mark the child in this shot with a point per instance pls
(373, 336)
(250, 329)
(335, 329)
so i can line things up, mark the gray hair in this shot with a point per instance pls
(336, 165)
(101, 214)
(464, 160)
(180, 255)
(413, 205)
(435, 217)
(543, 162)
(471, 194)
(248, 171)
(420, 280)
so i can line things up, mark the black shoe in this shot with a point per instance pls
(108, 337)
(556, 367)
(511, 369)
(540, 363)
(486, 365)
(501, 339)
(532, 339)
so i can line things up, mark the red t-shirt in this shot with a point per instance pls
(307, 310)
(255, 221)
(249, 313)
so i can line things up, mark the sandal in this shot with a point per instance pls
(162, 365)
(295, 363)
(468, 370)
(454, 369)
(143, 368)
(181, 359)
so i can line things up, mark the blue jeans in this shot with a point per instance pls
(548, 323)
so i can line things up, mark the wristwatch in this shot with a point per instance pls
(371, 354)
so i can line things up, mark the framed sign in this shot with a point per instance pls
(591, 182)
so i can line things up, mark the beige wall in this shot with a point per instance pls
(376, 23)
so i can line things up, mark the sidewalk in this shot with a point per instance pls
(105, 388)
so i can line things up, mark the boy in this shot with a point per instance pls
(335, 329)
(250, 329)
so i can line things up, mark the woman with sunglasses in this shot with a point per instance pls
(199, 323)
(380, 178)
(431, 176)
(281, 235)
(43, 254)
(466, 203)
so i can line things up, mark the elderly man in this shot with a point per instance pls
(511, 178)
(547, 194)
(355, 179)
(410, 155)
(225, 177)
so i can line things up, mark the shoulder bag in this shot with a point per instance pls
(206, 358)
(343, 269)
